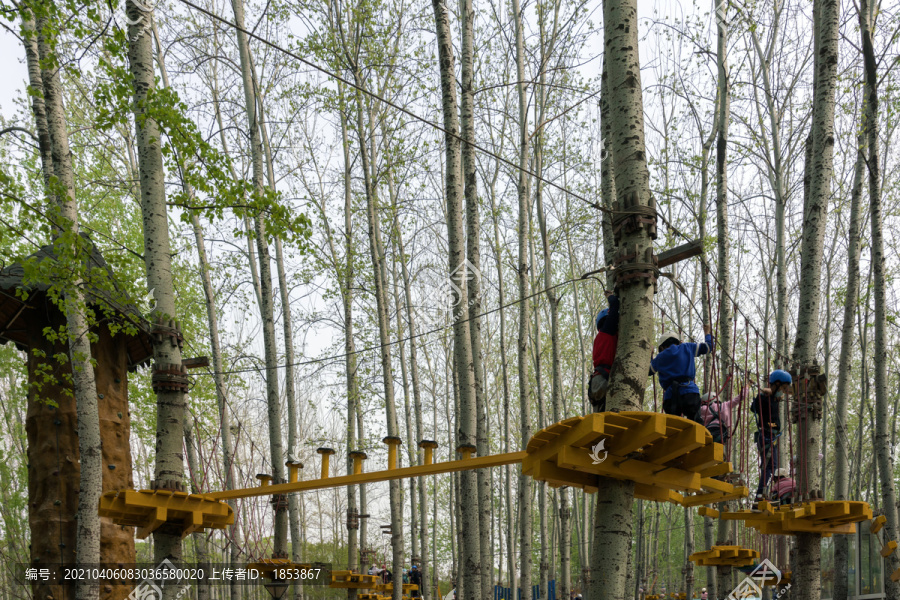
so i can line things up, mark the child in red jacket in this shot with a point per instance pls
(604, 353)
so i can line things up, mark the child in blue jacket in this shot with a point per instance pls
(676, 370)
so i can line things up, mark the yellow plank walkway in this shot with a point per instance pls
(667, 457)
(734, 556)
(670, 459)
(821, 516)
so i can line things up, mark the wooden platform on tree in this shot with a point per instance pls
(388, 588)
(350, 580)
(772, 581)
(733, 556)
(148, 510)
(822, 517)
(666, 456)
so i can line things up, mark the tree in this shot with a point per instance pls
(169, 469)
(807, 407)
(59, 175)
(266, 307)
(628, 378)
(884, 440)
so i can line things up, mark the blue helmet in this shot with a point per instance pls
(780, 376)
(600, 316)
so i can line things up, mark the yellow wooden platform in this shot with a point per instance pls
(668, 457)
(822, 517)
(785, 579)
(359, 581)
(734, 556)
(388, 588)
(149, 509)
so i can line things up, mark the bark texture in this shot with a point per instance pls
(169, 468)
(818, 175)
(628, 378)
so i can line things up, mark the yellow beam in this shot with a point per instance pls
(479, 462)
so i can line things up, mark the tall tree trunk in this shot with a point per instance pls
(525, 500)
(724, 272)
(628, 378)
(842, 396)
(202, 546)
(819, 168)
(69, 244)
(212, 319)
(462, 340)
(352, 381)
(404, 369)
(565, 549)
(723, 118)
(473, 281)
(883, 423)
(293, 500)
(376, 252)
(417, 407)
(234, 534)
(169, 469)
(504, 373)
(267, 305)
(36, 93)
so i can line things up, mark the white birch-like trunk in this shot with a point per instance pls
(462, 340)
(819, 169)
(473, 284)
(376, 251)
(201, 544)
(64, 210)
(287, 327)
(628, 378)
(842, 396)
(417, 407)
(169, 468)
(267, 305)
(883, 423)
(352, 381)
(525, 505)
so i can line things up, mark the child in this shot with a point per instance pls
(717, 415)
(782, 486)
(676, 369)
(604, 352)
(768, 424)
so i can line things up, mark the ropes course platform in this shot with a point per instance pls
(388, 588)
(670, 459)
(725, 556)
(148, 510)
(822, 517)
(666, 456)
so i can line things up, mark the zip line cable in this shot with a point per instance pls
(403, 110)
(478, 147)
(334, 357)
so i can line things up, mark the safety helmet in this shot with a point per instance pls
(666, 336)
(780, 376)
(707, 397)
(600, 316)
(781, 473)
